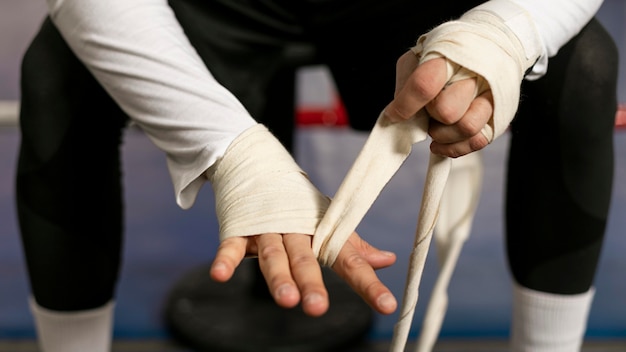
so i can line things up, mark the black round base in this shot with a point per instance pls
(240, 315)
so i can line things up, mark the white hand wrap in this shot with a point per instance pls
(260, 189)
(483, 40)
(385, 150)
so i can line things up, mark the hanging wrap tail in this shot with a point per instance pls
(436, 177)
(386, 149)
(456, 214)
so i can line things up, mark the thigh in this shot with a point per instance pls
(68, 183)
(561, 166)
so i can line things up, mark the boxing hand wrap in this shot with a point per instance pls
(497, 41)
(384, 152)
(260, 189)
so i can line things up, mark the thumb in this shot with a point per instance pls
(416, 87)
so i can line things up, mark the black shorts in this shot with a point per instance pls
(247, 43)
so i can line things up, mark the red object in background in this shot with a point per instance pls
(333, 115)
(620, 119)
(336, 115)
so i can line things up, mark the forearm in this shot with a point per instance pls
(140, 55)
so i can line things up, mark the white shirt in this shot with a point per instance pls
(137, 50)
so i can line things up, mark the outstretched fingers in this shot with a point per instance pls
(292, 272)
(307, 273)
(274, 264)
(294, 276)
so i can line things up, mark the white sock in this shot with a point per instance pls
(546, 322)
(79, 331)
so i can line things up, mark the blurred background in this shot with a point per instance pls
(163, 242)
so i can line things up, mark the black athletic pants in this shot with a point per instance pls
(69, 192)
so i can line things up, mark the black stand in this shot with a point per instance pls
(240, 315)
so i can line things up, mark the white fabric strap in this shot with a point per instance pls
(260, 189)
(87, 330)
(386, 149)
(437, 174)
(456, 214)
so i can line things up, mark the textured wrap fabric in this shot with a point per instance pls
(385, 150)
(260, 189)
(456, 214)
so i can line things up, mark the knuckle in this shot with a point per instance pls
(353, 261)
(445, 113)
(277, 281)
(224, 246)
(451, 151)
(468, 127)
(484, 104)
(270, 251)
(302, 260)
(455, 153)
(373, 287)
(229, 248)
(424, 86)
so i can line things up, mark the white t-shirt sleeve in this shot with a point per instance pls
(138, 52)
(557, 21)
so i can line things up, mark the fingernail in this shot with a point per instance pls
(387, 253)
(387, 302)
(285, 290)
(313, 298)
(219, 266)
